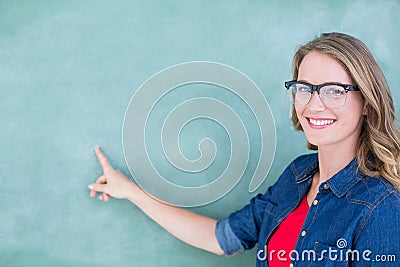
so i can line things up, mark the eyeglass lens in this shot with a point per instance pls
(332, 96)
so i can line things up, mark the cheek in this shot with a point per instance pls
(354, 108)
(299, 112)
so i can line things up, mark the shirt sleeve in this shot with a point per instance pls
(240, 231)
(378, 243)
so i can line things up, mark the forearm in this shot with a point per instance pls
(192, 228)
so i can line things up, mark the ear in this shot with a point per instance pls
(364, 112)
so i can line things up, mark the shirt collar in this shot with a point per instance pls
(304, 167)
(339, 183)
(345, 179)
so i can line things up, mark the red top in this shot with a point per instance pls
(283, 240)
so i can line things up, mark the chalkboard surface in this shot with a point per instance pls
(68, 70)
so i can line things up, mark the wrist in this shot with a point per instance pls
(135, 194)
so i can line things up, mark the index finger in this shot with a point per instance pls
(102, 159)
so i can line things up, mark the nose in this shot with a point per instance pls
(315, 103)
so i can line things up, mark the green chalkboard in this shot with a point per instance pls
(68, 70)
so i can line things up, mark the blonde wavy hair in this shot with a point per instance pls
(378, 148)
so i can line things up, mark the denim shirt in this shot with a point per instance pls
(353, 221)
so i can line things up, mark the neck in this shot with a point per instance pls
(332, 159)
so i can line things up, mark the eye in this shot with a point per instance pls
(334, 91)
(303, 89)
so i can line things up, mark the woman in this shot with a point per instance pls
(340, 206)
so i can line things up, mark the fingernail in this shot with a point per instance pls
(90, 187)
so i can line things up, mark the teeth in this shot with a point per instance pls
(321, 122)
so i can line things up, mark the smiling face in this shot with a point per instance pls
(323, 126)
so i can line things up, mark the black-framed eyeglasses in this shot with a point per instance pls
(332, 95)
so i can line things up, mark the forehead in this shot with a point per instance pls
(318, 68)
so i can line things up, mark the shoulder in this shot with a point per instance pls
(376, 193)
(299, 170)
(305, 159)
(380, 230)
(303, 165)
(382, 201)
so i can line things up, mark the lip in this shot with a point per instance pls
(319, 127)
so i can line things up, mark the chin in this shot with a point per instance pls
(318, 143)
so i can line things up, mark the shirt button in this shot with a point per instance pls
(315, 202)
(326, 186)
(303, 233)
